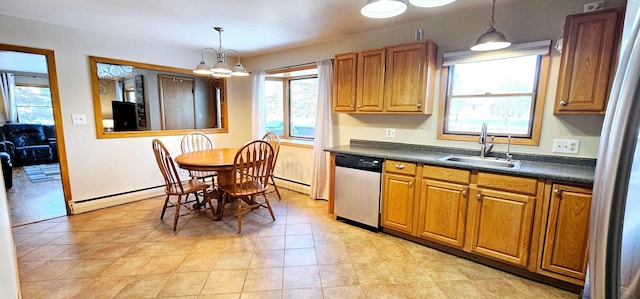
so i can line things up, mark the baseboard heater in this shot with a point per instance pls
(92, 204)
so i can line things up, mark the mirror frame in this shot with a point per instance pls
(100, 133)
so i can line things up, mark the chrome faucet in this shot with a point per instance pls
(484, 148)
(508, 154)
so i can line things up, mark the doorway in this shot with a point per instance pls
(30, 105)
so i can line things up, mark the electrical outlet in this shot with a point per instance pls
(391, 132)
(566, 146)
(78, 119)
(593, 6)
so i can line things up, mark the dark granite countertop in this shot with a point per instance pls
(570, 169)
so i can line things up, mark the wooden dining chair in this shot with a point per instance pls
(251, 169)
(274, 140)
(175, 187)
(197, 141)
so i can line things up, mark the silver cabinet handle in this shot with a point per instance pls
(351, 106)
(563, 103)
(556, 191)
(464, 192)
(419, 105)
(410, 184)
(359, 106)
(400, 166)
(479, 196)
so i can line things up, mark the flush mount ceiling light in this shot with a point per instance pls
(492, 39)
(430, 3)
(220, 68)
(380, 9)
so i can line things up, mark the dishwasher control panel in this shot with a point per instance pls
(359, 162)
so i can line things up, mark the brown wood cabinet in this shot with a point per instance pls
(442, 214)
(395, 79)
(501, 216)
(344, 80)
(410, 78)
(564, 252)
(589, 59)
(398, 196)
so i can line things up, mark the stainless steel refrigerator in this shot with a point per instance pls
(614, 233)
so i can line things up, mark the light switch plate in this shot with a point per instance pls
(593, 6)
(78, 119)
(566, 146)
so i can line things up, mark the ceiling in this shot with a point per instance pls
(252, 27)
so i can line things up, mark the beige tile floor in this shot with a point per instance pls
(127, 252)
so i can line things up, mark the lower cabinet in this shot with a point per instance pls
(398, 196)
(443, 205)
(564, 252)
(536, 225)
(501, 225)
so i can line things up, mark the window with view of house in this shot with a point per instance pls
(506, 92)
(291, 98)
(34, 104)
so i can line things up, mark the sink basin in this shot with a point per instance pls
(487, 161)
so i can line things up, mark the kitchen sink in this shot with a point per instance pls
(487, 161)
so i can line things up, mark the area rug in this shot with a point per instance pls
(43, 172)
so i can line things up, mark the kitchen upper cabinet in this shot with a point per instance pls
(398, 196)
(410, 78)
(501, 217)
(395, 79)
(443, 205)
(344, 79)
(565, 247)
(589, 59)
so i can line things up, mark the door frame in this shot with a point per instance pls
(57, 114)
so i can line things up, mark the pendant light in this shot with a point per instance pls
(220, 69)
(380, 9)
(430, 3)
(492, 39)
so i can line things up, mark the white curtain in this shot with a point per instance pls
(323, 137)
(258, 105)
(7, 94)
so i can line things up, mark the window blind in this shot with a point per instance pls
(524, 49)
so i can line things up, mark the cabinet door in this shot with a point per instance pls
(442, 212)
(567, 232)
(502, 225)
(344, 80)
(588, 62)
(398, 202)
(370, 81)
(410, 77)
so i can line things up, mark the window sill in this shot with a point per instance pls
(297, 143)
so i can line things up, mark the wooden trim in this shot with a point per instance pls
(57, 115)
(538, 108)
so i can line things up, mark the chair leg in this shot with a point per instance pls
(273, 182)
(164, 208)
(207, 200)
(239, 215)
(266, 200)
(175, 220)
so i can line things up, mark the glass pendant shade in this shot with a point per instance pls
(220, 67)
(430, 3)
(491, 40)
(379, 9)
(239, 70)
(202, 69)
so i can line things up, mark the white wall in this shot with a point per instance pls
(102, 167)
(9, 282)
(521, 21)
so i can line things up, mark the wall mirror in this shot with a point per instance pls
(133, 99)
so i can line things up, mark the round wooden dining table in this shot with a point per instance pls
(219, 160)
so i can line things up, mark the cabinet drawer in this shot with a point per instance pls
(507, 183)
(400, 167)
(446, 174)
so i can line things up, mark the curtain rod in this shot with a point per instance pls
(295, 66)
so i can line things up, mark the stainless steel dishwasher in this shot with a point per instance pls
(357, 189)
